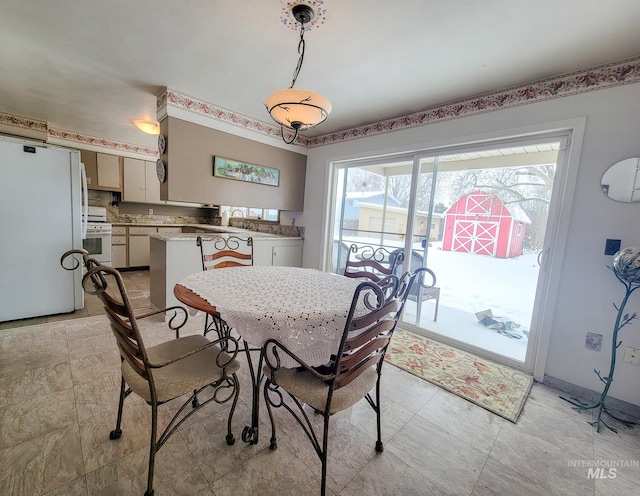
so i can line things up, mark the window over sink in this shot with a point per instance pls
(251, 213)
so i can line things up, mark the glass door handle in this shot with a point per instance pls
(543, 256)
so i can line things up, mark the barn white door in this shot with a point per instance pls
(480, 237)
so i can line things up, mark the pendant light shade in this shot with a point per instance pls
(293, 108)
(297, 108)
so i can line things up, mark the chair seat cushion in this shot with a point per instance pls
(313, 391)
(183, 376)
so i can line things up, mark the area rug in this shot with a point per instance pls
(499, 389)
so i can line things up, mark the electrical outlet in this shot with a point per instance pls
(593, 341)
(150, 211)
(632, 356)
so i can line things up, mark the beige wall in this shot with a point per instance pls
(189, 158)
(583, 301)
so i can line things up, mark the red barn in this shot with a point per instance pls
(480, 223)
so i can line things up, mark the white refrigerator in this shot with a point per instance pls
(40, 219)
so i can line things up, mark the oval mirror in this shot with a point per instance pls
(621, 181)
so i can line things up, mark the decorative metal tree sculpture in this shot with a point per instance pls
(626, 267)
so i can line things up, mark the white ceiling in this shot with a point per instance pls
(91, 66)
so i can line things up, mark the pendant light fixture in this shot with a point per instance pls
(294, 108)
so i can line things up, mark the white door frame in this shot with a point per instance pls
(568, 162)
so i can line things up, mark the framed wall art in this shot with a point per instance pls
(241, 171)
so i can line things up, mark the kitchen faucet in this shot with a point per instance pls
(233, 214)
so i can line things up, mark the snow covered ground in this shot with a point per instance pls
(472, 283)
(478, 282)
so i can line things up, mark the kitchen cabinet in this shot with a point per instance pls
(119, 247)
(152, 185)
(277, 251)
(190, 148)
(289, 256)
(104, 171)
(130, 245)
(140, 181)
(174, 259)
(108, 172)
(169, 230)
(138, 245)
(90, 161)
(119, 256)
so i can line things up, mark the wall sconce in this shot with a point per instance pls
(149, 127)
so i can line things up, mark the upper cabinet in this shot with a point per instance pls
(104, 172)
(90, 162)
(140, 181)
(189, 157)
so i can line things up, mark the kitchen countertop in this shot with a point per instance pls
(256, 228)
(229, 230)
(244, 234)
(166, 224)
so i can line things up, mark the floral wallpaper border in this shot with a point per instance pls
(607, 76)
(104, 142)
(602, 77)
(23, 122)
(176, 99)
(597, 78)
(43, 127)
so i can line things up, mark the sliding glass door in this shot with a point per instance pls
(477, 216)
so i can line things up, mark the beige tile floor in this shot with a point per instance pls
(58, 399)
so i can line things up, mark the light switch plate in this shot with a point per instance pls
(611, 246)
(593, 341)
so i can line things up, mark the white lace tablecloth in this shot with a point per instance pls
(305, 309)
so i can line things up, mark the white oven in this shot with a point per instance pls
(97, 240)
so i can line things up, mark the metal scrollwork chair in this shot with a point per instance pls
(219, 252)
(161, 373)
(353, 371)
(429, 290)
(371, 263)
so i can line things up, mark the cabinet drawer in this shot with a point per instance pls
(170, 230)
(119, 230)
(143, 230)
(118, 240)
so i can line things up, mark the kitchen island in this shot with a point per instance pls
(175, 256)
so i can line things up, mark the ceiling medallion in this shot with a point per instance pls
(288, 19)
(293, 108)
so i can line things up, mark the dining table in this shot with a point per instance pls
(304, 309)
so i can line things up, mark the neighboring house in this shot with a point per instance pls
(480, 223)
(352, 204)
(365, 213)
(395, 222)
